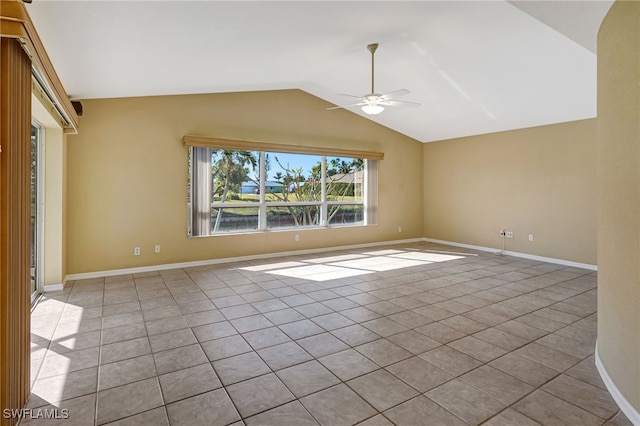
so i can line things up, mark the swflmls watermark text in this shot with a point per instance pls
(36, 413)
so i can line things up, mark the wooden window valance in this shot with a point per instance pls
(15, 23)
(217, 143)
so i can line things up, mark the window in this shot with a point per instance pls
(37, 210)
(232, 190)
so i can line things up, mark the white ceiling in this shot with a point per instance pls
(475, 66)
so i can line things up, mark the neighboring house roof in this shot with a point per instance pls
(356, 177)
(251, 184)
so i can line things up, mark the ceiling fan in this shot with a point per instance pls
(374, 103)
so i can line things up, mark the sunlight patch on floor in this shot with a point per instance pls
(268, 266)
(351, 265)
(428, 257)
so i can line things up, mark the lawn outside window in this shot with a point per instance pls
(240, 191)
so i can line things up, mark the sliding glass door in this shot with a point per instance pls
(37, 210)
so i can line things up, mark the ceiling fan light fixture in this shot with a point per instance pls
(372, 103)
(372, 109)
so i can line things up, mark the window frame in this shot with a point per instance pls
(367, 193)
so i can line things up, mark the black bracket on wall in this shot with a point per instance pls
(77, 105)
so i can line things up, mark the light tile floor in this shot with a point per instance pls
(407, 335)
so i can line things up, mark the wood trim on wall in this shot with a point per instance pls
(15, 205)
(16, 23)
(208, 142)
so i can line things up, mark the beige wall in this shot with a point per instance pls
(619, 199)
(538, 181)
(54, 206)
(127, 175)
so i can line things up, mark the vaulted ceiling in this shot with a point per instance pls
(474, 66)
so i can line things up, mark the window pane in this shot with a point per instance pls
(34, 208)
(293, 177)
(346, 214)
(235, 176)
(345, 179)
(293, 190)
(293, 216)
(234, 219)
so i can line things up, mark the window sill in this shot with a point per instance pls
(281, 230)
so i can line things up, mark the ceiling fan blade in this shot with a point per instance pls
(400, 103)
(350, 96)
(395, 94)
(346, 106)
(373, 103)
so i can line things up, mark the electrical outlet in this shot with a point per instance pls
(136, 251)
(509, 234)
(297, 237)
(399, 228)
(157, 248)
(503, 233)
(530, 237)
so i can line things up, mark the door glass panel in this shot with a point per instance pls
(34, 209)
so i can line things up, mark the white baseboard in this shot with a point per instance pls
(517, 254)
(625, 406)
(52, 287)
(469, 246)
(153, 268)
